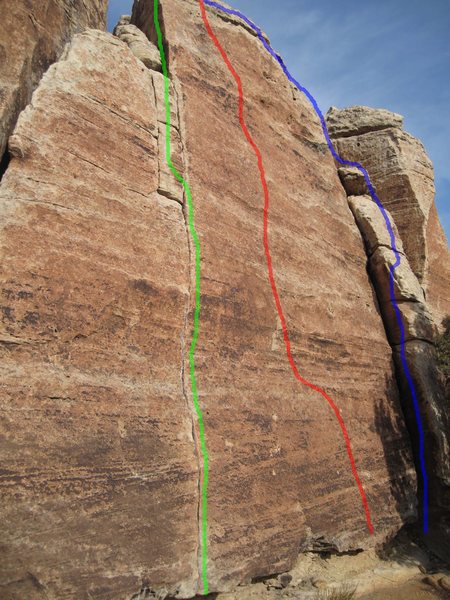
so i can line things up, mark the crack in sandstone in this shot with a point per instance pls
(191, 271)
(87, 161)
(119, 115)
(177, 99)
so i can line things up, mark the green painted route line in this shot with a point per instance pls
(197, 296)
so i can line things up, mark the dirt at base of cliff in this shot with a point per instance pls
(403, 569)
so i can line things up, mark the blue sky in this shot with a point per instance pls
(392, 54)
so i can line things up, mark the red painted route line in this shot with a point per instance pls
(269, 264)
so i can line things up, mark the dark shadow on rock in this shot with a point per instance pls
(4, 163)
(391, 428)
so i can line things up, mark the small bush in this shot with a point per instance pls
(442, 342)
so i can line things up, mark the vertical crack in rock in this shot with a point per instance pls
(170, 187)
(177, 105)
(195, 433)
(142, 17)
(376, 127)
(419, 332)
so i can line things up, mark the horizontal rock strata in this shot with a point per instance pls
(100, 473)
(271, 487)
(402, 176)
(102, 467)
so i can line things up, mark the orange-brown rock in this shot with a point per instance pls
(415, 316)
(99, 469)
(100, 443)
(437, 278)
(419, 332)
(402, 175)
(32, 36)
(270, 488)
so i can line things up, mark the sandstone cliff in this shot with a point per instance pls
(32, 36)
(100, 443)
(402, 175)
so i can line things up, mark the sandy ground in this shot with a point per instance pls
(420, 588)
(402, 570)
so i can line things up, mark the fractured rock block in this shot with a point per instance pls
(416, 320)
(32, 36)
(398, 167)
(406, 285)
(372, 224)
(138, 43)
(356, 120)
(353, 181)
(168, 184)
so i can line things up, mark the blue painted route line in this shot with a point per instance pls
(391, 234)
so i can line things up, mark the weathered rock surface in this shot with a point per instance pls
(356, 120)
(375, 570)
(100, 440)
(138, 43)
(273, 463)
(416, 359)
(353, 181)
(372, 225)
(402, 176)
(32, 36)
(437, 278)
(435, 414)
(99, 469)
(416, 318)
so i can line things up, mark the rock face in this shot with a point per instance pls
(402, 176)
(96, 431)
(138, 43)
(407, 290)
(419, 333)
(32, 37)
(356, 120)
(437, 278)
(100, 445)
(274, 463)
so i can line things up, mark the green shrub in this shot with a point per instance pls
(442, 342)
